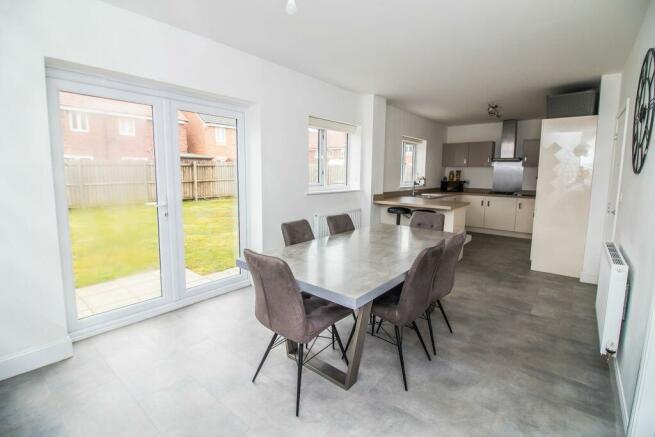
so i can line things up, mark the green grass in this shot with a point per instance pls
(113, 242)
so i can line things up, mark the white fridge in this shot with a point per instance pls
(566, 162)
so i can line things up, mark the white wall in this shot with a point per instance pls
(479, 177)
(92, 33)
(635, 228)
(608, 106)
(401, 123)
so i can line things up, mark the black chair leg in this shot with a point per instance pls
(373, 325)
(354, 316)
(418, 334)
(350, 337)
(300, 360)
(429, 319)
(379, 325)
(333, 337)
(444, 316)
(343, 351)
(268, 349)
(399, 343)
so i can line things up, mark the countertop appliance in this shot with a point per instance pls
(452, 186)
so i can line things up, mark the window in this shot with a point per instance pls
(412, 162)
(126, 127)
(78, 121)
(327, 159)
(220, 135)
(408, 164)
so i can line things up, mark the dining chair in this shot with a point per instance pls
(341, 223)
(407, 302)
(296, 232)
(427, 220)
(444, 280)
(280, 308)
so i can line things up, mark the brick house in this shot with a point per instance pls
(110, 130)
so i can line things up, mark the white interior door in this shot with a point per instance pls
(616, 173)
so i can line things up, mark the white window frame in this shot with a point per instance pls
(78, 121)
(220, 135)
(164, 104)
(127, 126)
(414, 144)
(322, 184)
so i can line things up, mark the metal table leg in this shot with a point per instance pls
(347, 379)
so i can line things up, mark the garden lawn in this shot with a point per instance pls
(113, 242)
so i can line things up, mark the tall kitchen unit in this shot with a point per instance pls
(566, 161)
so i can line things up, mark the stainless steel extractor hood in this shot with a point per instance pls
(508, 150)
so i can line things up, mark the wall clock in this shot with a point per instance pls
(644, 112)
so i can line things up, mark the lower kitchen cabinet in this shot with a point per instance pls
(475, 211)
(524, 215)
(500, 213)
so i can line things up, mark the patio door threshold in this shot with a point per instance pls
(120, 322)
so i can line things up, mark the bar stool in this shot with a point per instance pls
(398, 210)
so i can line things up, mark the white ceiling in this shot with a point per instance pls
(443, 59)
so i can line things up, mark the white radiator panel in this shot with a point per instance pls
(320, 221)
(610, 297)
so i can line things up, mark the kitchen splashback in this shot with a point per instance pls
(482, 177)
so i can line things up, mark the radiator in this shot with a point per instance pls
(320, 221)
(611, 298)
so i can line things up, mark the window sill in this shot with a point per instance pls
(333, 191)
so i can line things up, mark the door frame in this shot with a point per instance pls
(619, 176)
(166, 158)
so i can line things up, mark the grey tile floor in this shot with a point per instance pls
(522, 361)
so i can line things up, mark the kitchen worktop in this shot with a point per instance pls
(435, 193)
(422, 202)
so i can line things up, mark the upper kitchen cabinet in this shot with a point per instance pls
(455, 154)
(531, 153)
(480, 154)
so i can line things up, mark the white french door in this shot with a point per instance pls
(148, 199)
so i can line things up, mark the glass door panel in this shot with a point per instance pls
(210, 203)
(111, 193)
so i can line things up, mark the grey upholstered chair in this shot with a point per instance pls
(297, 232)
(427, 220)
(340, 223)
(407, 302)
(279, 307)
(445, 279)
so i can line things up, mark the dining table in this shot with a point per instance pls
(352, 269)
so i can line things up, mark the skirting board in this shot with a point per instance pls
(621, 393)
(35, 357)
(502, 233)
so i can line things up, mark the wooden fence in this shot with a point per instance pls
(98, 183)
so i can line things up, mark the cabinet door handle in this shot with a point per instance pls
(488, 202)
(488, 158)
(525, 159)
(519, 205)
(482, 202)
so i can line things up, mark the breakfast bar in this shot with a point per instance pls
(453, 210)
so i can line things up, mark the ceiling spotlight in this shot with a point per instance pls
(493, 110)
(291, 7)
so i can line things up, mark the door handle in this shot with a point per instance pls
(163, 206)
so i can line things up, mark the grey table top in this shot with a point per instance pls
(354, 268)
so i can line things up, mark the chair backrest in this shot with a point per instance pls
(415, 295)
(340, 223)
(297, 232)
(278, 303)
(427, 220)
(445, 279)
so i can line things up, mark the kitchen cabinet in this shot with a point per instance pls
(480, 154)
(524, 215)
(531, 153)
(475, 211)
(455, 155)
(500, 213)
